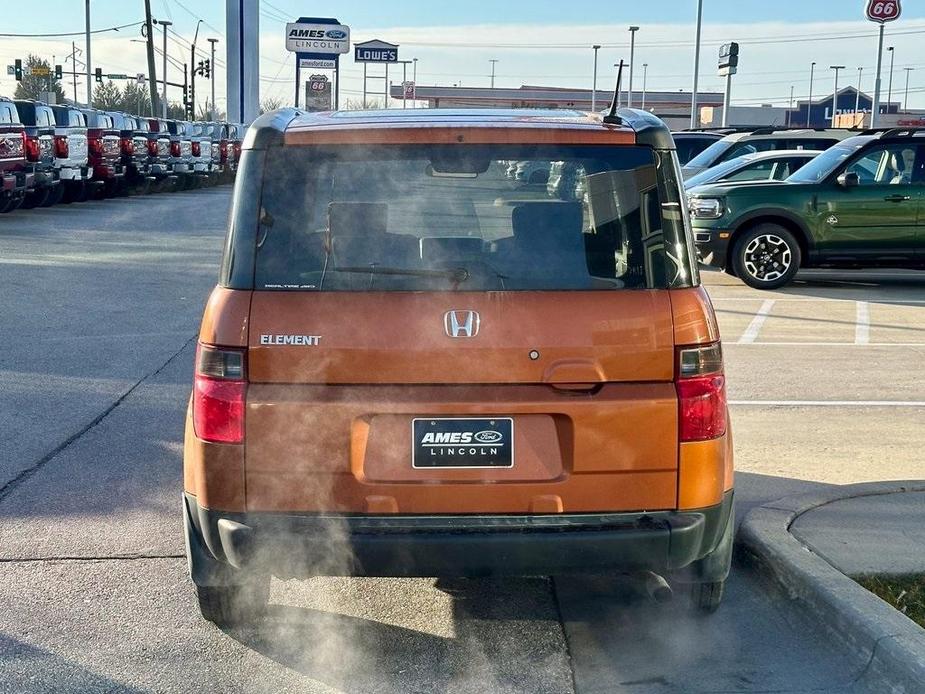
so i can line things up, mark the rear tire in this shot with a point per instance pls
(706, 597)
(766, 256)
(35, 198)
(55, 196)
(234, 605)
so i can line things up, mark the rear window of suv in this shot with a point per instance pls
(450, 217)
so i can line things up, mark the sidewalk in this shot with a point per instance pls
(878, 534)
(809, 545)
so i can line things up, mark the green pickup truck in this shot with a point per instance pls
(860, 203)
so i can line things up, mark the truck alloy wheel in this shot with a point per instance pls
(766, 257)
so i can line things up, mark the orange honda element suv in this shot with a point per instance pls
(414, 365)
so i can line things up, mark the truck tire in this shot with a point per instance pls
(234, 605)
(706, 597)
(766, 256)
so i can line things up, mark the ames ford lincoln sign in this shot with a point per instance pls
(318, 38)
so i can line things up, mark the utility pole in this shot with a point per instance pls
(594, 80)
(906, 97)
(875, 107)
(889, 89)
(493, 62)
(645, 69)
(809, 105)
(192, 77)
(414, 78)
(695, 117)
(835, 95)
(185, 92)
(857, 98)
(152, 75)
(212, 74)
(74, 68)
(164, 24)
(629, 93)
(89, 85)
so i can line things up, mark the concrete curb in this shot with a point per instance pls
(892, 645)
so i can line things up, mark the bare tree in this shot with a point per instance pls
(270, 104)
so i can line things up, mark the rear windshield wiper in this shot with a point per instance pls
(459, 274)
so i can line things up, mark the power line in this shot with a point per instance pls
(71, 33)
(196, 16)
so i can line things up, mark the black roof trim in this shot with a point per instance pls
(650, 130)
(268, 129)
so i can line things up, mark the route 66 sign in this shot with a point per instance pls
(883, 10)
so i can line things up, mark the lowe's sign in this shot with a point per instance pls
(330, 39)
(375, 52)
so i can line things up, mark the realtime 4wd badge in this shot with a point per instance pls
(462, 442)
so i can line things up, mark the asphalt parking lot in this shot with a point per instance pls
(100, 305)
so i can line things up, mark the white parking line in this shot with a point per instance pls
(825, 344)
(828, 403)
(876, 300)
(862, 323)
(751, 332)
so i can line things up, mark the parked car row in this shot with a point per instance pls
(64, 153)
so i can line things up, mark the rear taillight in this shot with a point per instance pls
(95, 145)
(152, 147)
(701, 393)
(237, 150)
(223, 151)
(175, 149)
(31, 144)
(62, 150)
(128, 145)
(219, 392)
(197, 150)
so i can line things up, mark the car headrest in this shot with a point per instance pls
(358, 218)
(898, 161)
(548, 224)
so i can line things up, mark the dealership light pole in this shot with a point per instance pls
(695, 118)
(89, 83)
(889, 89)
(493, 61)
(414, 78)
(875, 106)
(629, 93)
(809, 105)
(596, 48)
(790, 110)
(645, 69)
(857, 97)
(835, 95)
(165, 24)
(212, 74)
(906, 98)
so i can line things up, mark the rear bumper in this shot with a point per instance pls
(305, 545)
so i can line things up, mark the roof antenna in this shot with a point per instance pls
(612, 118)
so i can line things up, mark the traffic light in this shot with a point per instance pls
(208, 68)
(17, 69)
(99, 75)
(59, 72)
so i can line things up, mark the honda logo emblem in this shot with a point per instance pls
(461, 323)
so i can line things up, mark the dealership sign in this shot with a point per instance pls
(329, 39)
(883, 10)
(375, 51)
(317, 63)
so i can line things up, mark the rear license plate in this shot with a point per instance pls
(462, 442)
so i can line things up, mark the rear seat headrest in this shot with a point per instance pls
(540, 222)
(358, 218)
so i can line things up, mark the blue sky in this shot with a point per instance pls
(536, 41)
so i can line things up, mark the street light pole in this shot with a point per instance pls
(906, 97)
(192, 76)
(809, 105)
(695, 117)
(414, 78)
(89, 84)
(594, 80)
(857, 98)
(835, 95)
(645, 69)
(875, 106)
(889, 89)
(629, 94)
(212, 74)
(790, 110)
(165, 24)
(493, 62)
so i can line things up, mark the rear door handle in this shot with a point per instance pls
(897, 198)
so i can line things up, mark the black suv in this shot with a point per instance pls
(763, 140)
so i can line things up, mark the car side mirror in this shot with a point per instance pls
(848, 179)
